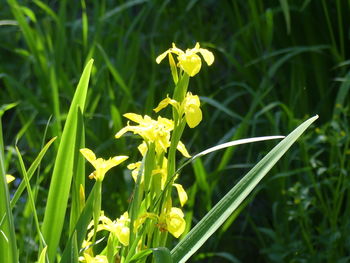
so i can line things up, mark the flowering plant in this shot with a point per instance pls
(153, 214)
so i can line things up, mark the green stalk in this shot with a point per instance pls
(8, 245)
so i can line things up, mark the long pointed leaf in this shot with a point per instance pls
(30, 172)
(8, 246)
(229, 203)
(63, 169)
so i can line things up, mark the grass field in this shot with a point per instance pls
(277, 63)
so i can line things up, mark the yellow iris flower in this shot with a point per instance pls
(190, 107)
(101, 165)
(188, 60)
(152, 131)
(119, 227)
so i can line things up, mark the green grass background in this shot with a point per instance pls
(276, 63)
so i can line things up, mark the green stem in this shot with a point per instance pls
(97, 207)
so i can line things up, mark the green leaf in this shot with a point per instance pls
(79, 178)
(42, 255)
(63, 169)
(140, 255)
(286, 13)
(80, 228)
(30, 172)
(229, 203)
(8, 245)
(30, 196)
(162, 255)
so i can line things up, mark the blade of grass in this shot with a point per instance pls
(286, 13)
(31, 197)
(42, 255)
(229, 203)
(63, 169)
(8, 245)
(30, 172)
(79, 178)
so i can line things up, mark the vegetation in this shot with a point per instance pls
(277, 63)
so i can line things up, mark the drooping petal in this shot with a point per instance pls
(123, 235)
(182, 149)
(193, 113)
(89, 155)
(207, 55)
(165, 102)
(182, 194)
(121, 132)
(162, 56)
(175, 222)
(122, 230)
(193, 116)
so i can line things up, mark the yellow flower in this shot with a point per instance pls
(9, 178)
(182, 194)
(119, 227)
(189, 61)
(152, 131)
(190, 107)
(175, 222)
(101, 165)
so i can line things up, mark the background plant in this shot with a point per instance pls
(276, 62)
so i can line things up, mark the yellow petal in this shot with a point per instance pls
(176, 50)
(182, 149)
(121, 132)
(116, 160)
(89, 155)
(207, 55)
(9, 178)
(134, 117)
(162, 56)
(162, 104)
(143, 148)
(122, 230)
(123, 235)
(175, 222)
(165, 102)
(182, 194)
(193, 116)
(190, 63)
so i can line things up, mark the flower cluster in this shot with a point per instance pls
(151, 214)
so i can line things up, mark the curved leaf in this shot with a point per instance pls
(229, 203)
